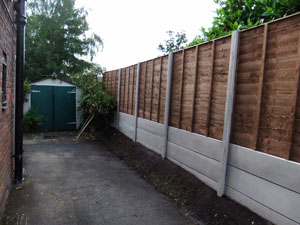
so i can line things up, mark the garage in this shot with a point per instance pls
(56, 100)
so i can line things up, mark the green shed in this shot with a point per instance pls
(56, 101)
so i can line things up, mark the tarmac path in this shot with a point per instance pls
(81, 183)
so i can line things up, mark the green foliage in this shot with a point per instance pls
(32, 120)
(27, 89)
(94, 97)
(241, 14)
(56, 39)
(174, 42)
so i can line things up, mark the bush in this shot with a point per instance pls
(95, 99)
(32, 120)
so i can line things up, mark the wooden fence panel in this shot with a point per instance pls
(188, 89)
(247, 98)
(203, 88)
(218, 98)
(126, 89)
(116, 79)
(155, 89)
(266, 113)
(133, 89)
(110, 80)
(176, 89)
(163, 85)
(280, 88)
(148, 91)
(142, 90)
(130, 90)
(111, 83)
(122, 91)
(295, 146)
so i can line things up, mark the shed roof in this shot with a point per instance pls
(53, 82)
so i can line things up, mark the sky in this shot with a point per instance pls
(132, 29)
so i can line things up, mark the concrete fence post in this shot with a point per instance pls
(228, 110)
(119, 95)
(167, 105)
(137, 88)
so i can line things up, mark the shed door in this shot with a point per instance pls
(42, 101)
(57, 105)
(65, 108)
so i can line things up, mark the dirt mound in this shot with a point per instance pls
(191, 195)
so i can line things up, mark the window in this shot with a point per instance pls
(4, 74)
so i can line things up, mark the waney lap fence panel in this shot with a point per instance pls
(266, 114)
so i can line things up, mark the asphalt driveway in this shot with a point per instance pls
(69, 183)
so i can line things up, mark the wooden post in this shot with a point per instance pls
(260, 87)
(211, 74)
(181, 90)
(228, 110)
(118, 99)
(137, 88)
(167, 105)
(195, 88)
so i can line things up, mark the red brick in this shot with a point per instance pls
(7, 45)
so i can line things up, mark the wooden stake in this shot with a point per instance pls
(89, 120)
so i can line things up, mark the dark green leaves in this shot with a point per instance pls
(94, 97)
(56, 39)
(242, 14)
(174, 42)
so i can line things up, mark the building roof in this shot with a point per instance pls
(53, 82)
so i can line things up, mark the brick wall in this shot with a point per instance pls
(8, 46)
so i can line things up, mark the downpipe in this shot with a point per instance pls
(20, 8)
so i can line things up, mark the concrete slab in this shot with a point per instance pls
(82, 183)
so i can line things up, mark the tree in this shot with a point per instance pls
(174, 42)
(242, 14)
(56, 39)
